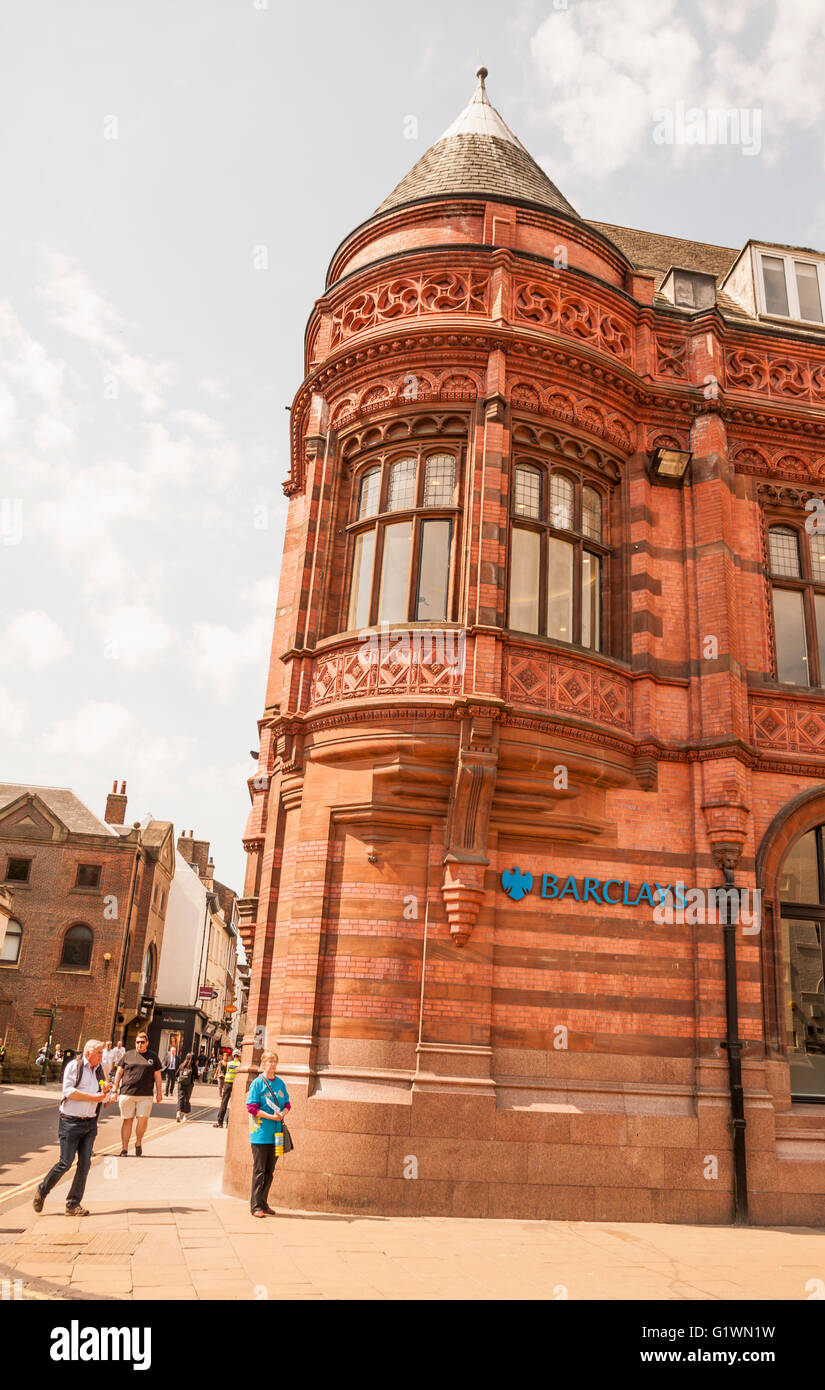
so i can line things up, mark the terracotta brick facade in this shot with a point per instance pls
(448, 1049)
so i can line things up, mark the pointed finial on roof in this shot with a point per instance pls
(481, 91)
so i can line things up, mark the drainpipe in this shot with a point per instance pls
(127, 943)
(733, 1045)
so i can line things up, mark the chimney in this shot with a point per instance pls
(116, 805)
(200, 856)
(195, 852)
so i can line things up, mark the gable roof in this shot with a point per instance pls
(63, 803)
(478, 153)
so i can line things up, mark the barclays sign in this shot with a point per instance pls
(517, 883)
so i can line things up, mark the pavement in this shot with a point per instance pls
(160, 1228)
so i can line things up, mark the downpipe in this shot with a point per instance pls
(733, 1045)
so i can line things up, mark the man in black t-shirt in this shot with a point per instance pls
(137, 1083)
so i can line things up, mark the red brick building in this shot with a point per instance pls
(569, 476)
(88, 908)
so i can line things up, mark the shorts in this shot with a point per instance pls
(135, 1105)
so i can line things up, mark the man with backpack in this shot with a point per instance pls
(85, 1089)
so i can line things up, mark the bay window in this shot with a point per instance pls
(557, 557)
(402, 540)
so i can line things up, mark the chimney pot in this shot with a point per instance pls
(115, 813)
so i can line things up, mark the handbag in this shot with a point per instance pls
(288, 1144)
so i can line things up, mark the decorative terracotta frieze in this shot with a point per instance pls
(441, 291)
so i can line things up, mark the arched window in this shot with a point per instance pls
(401, 567)
(557, 557)
(77, 948)
(12, 941)
(802, 898)
(797, 569)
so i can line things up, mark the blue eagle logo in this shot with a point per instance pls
(516, 884)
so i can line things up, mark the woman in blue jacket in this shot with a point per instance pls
(267, 1103)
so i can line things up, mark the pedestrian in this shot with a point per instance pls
(186, 1082)
(228, 1080)
(85, 1089)
(2, 1057)
(108, 1057)
(221, 1074)
(170, 1066)
(267, 1103)
(118, 1054)
(201, 1065)
(137, 1078)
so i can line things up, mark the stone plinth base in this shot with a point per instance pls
(575, 1156)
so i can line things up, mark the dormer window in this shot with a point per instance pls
(790, 287)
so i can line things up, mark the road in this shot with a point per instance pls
(28, 1132)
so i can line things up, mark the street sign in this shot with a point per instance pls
(231, 1009)
(205, 992)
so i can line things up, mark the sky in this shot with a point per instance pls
(175, 178)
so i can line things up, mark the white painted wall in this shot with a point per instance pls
(182, 937)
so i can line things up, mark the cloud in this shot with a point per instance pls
(218, 653)
(213, 386)
(12, 715)
(35, 640)
(78, 520)
(76, 306)
(135, 634)
(608, 68)
(96, 727)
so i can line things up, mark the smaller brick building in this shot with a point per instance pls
(89, 900)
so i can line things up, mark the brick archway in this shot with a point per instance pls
(800, 815)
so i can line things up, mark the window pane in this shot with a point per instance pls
(369, 494)
(524, 580)
(591, 513)
(591, 601)
(395, 573)
(818, 557)
(807, 286)
(359, 596)
(18, 871)
(527, 497)
(561, 503)
(799, 877)
(402, 486)
(819, 609)
(805, 1003)
(784, 551)
(11, 942)
(560, 590)
(433, 572)
(776, 293)
(439, 481)
(77, 948)
(791, 643)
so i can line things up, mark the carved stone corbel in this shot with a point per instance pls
(289, 753)
(467, 824)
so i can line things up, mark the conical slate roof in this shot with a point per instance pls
(478, 153)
